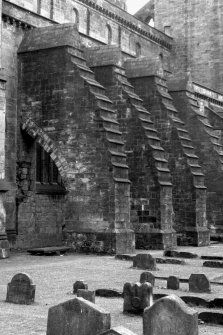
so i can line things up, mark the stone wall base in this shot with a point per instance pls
(114, 241)
(157, 239)
(198, 237)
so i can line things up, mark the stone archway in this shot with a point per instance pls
(41, 137)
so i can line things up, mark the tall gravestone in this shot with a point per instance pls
(137, 297)
(170, 316)
(77, 317)
(21, 290)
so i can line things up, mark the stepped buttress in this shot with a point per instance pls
(208, 147)
(151, 186)
(189, 191)
(60, 93)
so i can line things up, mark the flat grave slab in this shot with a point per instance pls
(49, 250)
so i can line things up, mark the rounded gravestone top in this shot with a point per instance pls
(22, 278)
(170, 315)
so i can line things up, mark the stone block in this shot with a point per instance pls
(79, 285)
(144, 261)
(173, 283)
(118, 331)
(170, 315)
(213, 264)
(179, 254)
(137, 297)
(199, 283)
(108, 293)
(147, 277)
(77, 317)
(87, 295)
(21, 290)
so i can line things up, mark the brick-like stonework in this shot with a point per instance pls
(151, 187)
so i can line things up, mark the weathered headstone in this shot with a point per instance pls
(147, 277)
(137, 297)
(77, 317)
(144, 261)
(79, 285)
(118, 331)
(170, 316)
(87, 295)
(21, 290)
(199, 283)
(173, 283)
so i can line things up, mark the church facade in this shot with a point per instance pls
(110, 128)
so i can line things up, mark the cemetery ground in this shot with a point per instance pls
(54, 277)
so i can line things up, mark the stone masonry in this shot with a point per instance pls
(102, 132)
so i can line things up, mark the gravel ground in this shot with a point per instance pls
(55, 275)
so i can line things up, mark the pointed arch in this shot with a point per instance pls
(41, 137)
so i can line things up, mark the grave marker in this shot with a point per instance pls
(147, 277)
(21, 290)
(170, 316)
(144, 261)
(137, 297)
(173, 283)
(199, 283)
(87, 295)
(79, 285)
(77, 317)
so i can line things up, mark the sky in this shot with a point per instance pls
(135, 5)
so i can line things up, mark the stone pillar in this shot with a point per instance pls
(4, 245)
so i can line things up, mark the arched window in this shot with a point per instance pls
(138, 49)
(75, 17)
(109, 34)
(47, 174)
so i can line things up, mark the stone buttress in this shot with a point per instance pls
(59, 92)
(189, 191)
(208, 145)
(4, 184)
(151, 186)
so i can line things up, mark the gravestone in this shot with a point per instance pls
(87, 295)
(118, 331)
(170, 316)
(77, 317)
(137, 297)
(108, 293)
(144, 261)
(147, 277)
(79, 285)
(21, 290)
(173, 283)
(199, 283)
